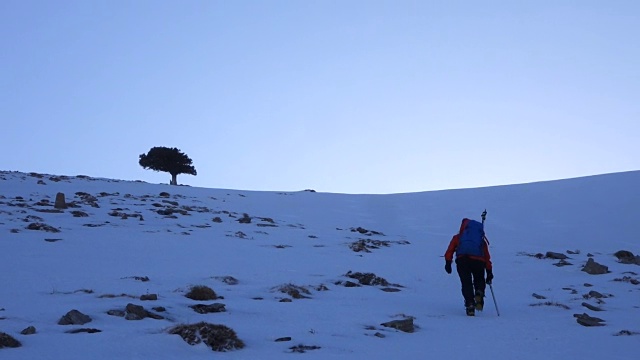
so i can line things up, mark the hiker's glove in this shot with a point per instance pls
(447, 267)
(489, 276)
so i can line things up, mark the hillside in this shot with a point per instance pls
(279, 263)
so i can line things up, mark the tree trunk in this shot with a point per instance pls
(174, 179)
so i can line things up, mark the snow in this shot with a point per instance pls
(43, 280)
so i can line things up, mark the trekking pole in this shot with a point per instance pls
(484, 216)
(494, 299)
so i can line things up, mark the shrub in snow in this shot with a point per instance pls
(217, 337)
(294, 291)
(201, 293)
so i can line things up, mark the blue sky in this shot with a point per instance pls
(337, 96)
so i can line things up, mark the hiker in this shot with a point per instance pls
(472, 258)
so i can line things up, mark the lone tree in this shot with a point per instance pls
(170, 160)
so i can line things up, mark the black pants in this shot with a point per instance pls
(471, 272)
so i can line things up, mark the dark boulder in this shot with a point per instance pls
(74, 317)
(593, 268)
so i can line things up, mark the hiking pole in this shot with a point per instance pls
(484, 216)
(494, 299)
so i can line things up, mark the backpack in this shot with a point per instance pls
(471, 239)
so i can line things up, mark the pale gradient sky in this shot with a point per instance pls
(337, 96)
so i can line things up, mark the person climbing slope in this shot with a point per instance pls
(471, 248)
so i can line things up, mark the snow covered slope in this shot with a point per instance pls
(117, 233)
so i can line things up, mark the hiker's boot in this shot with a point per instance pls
(470, 308)
(479, 299)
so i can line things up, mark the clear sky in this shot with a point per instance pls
(337, 96)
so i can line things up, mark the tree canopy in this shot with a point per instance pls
(170, 160)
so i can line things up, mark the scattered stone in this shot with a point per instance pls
(164, 194)
(627, 257)
(586, 320)
(591, 307)
(303, 348)
(595, 294)
(95, 225)
(52, 240)
(380, 335)
(166, 212)
(42, 227)
(626, 333)
(366, 232)
(217, 337)
(593, 268)
(217, 219)
(628, 279)
(84, 330)
(77, 213)
(551, 303)
(588, 285)
(60, 201)
(348, 284)
(281, 246)
(240, 234)
(576, 252)
(555, 255)
(118, 313)
(28, 331)
(208, 309)
(390, 289)
(8, 341)
(139, 278)
(282, 339)
(286, 300)
(103, 194)
(135, 312)
(538, 296)
(562, 263)
(49, 211)
(405, 325)
(229, 280)
(624, 254)
(74, 317)
(245, 219)
(149, 297)
(159, 309)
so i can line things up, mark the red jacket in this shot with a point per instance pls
(453, 245)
